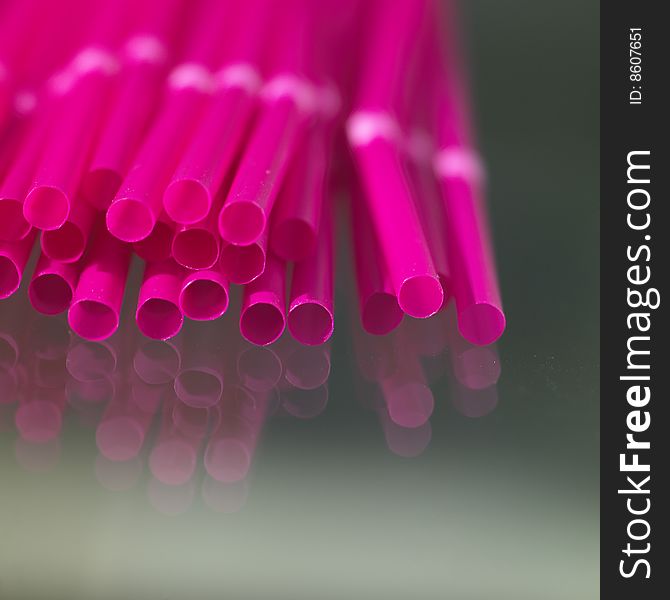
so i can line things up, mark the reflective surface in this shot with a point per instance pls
(411, 466)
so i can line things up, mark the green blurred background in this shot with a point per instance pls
(504, 506)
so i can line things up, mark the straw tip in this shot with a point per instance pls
(242, 223)
(195, 248)
(186, 201)
(204, 297)
(242, 264)
(262, 323)
(482, 323)
(65, 244)
(49, 294)
(421, 296)
(310, 323)
(46, 207)
(159, 319)
(92, 320)
(129, 220)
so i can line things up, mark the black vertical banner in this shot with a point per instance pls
(635, 169)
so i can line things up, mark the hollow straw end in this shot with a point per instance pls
(46, 207)
(421, 296)
(187, 201)
(242, 223)
(130, 220)
(204, 296)
(310, 322)
(482, 323)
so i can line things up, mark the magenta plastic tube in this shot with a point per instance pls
(144, 61)
(431, 209)
(19, 175)
(460, 174)
(138, 203)
(204, 295)
(296, 217)
(158, 313)
(244, 216)
(398, 227)
(379, 309)
(52, 286)
(244, 264)
(263, 312)
(13, 259)
(68, 242)
(191, 191)
(475, 284)
(374, 137)
(311, 310)
(218, 139)
(157, 246)
(49, 201)
(287, 103)
(197, 246)
(96, 304)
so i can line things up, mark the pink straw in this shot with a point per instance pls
(475, 283)
(52, 285)
(430, 208)
(67, 243)
(373, 134)
(197, 246)
(216, 143)
(13, 259)
(13, 225)
(287, 104)
(311, 307)
(144, 61)
(243, 264)
(296, 218)
(204, 295)
(158, 313)
(96, 304)
(262, 317)
(379, 309)
(83, 88)
(137, 205)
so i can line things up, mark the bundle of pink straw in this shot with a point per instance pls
(219, 141)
